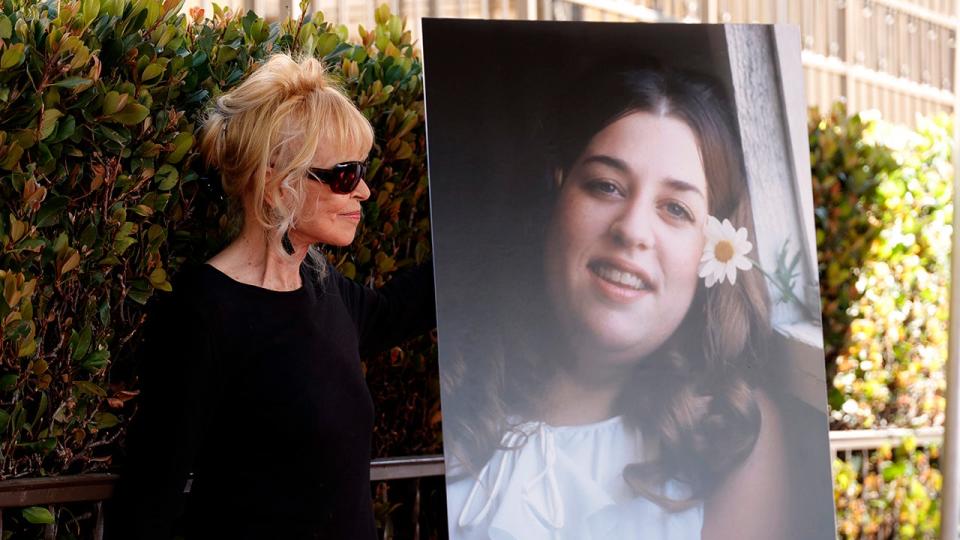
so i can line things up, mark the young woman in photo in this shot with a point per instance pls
(621, 395)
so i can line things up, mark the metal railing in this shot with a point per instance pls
(96, 488)
(897, 56)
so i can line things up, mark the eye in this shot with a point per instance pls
(678, 210)
(603, 187)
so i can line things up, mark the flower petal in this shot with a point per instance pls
(728, 231)
(741, 234)
(732, 274)
(742, 263)
(713, 229)
(709, 267)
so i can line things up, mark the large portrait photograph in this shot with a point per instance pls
(626, 280)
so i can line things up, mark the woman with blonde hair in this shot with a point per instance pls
(252, 377)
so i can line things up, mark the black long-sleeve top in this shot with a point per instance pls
(260, 394)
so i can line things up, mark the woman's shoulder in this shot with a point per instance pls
(192, 297)
(755, 492)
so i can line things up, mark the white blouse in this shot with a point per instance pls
(564, 483)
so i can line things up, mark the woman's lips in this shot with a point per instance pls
(617, 282)
(355, 216)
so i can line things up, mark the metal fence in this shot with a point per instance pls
(96, 488)
(897, 56)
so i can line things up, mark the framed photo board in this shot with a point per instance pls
(629, 327)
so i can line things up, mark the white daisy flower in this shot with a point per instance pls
(725, 252)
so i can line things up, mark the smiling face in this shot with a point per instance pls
(626, 237)
(327, 217)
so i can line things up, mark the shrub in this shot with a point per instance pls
(887, 322)
(884, 245)
(845, 170)
(888, 493)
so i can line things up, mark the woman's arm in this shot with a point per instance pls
(180, 386)
(751, 504)
(401, 309)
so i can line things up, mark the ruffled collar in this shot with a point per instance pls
(562, 482)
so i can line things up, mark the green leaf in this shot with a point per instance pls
(42, 408)
(167, 177)
(113, 102)
(72, 82)
(82, 343)
(96, 361)
(89, 388)
(139, 296)
(51, 210)
(181, 145)
(37, 515)
(6, 28)
(14, 153)
(152, 71)
(326, 43)
(91, 8)
(4, 420)
(12, 56)
(8, 382)
(65, 129)
(132, 114)
(895, 470)
(49, 122)
(105, 420)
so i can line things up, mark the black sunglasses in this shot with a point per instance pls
(342, 177)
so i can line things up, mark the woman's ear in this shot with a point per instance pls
(271, 189)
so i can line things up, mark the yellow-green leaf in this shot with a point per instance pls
(158, 276)
(91, 8)
(10, 159)
(71, 261)
(181, 145)
(382, 14)
(71, 82)
(131, 114)
(152, 71)
(6, 28)
(113, 102)
(49, 122)
(12, 56)
(37, 515)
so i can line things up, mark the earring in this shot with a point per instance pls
(286, 243)
(558, 178)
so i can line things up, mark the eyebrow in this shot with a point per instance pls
(621, 166)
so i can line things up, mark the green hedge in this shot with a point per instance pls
(885, 266)
(103, 198)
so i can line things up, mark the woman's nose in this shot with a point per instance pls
(362, 191)
(634, 227)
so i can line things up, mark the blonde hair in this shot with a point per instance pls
(277, 119)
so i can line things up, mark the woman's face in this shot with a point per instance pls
(327, 217)
(626, 237)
